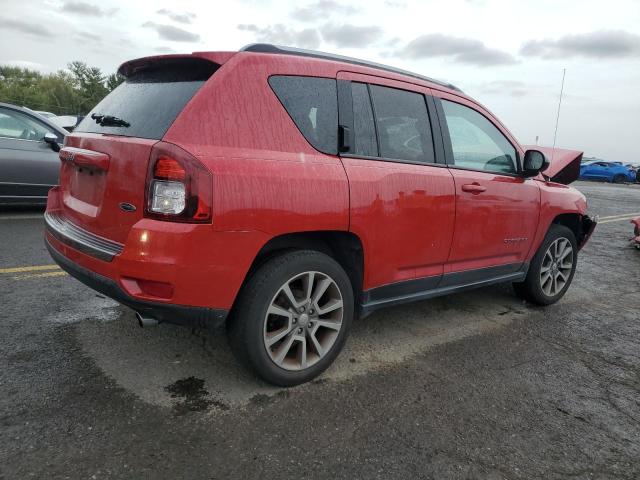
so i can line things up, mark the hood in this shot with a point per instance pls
(564, 165)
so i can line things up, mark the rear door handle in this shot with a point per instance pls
(474, 188)
(85, 158)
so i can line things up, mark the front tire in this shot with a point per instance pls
(552, 268)
(292, 317)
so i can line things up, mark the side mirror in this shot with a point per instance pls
(52, 140)
(534, 163)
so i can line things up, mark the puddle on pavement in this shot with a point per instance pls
(193, 370)
(192, 396)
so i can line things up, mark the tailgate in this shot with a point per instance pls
(105, 160)
(95, 192)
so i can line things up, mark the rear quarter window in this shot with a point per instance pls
(312, 103)
(151, 98)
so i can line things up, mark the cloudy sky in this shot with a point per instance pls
(507, 54)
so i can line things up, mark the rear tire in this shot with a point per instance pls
(552, 268)
(292, 317)
(619, 178)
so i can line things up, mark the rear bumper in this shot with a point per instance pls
(163, 312)
(80, 239)
(174, 272)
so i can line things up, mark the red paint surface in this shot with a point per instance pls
(496, 226)
(636, 231)
(412, 220)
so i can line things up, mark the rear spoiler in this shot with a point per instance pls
(133, 66)
(564, 165)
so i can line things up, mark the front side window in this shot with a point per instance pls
(20, 126)
(312, 103)
(404, 130)
(476, 143)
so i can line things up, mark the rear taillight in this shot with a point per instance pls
(179, 187)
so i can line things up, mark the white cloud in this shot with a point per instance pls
(543, 36)
(461, 50)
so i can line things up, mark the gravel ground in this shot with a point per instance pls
(475, 385)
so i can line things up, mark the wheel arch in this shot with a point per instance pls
(344, 247)
(570, 220)
(580, 225)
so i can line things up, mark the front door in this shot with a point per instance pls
(28, 165)
(497, 209)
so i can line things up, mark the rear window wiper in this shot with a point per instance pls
(109, 120)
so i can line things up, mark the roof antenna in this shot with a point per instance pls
(553, 151)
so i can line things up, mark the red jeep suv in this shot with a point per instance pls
(286, 192)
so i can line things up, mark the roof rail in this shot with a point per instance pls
(301, 52)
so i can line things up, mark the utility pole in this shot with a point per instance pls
(553, 151)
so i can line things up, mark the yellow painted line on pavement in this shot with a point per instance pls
(32, 268)
(617, 219)
(624, 215)
(40, 275)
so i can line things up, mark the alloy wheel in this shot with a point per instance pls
(556, 266)
(303, 321)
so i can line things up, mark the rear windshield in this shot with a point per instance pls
(150, 99)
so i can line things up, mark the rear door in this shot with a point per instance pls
(28, 165)
(401, 194)
(497, 210)
(146, 104)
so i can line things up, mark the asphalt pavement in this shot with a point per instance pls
(474, 385)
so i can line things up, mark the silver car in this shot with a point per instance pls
(29, 164)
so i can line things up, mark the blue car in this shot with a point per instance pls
(607, 171)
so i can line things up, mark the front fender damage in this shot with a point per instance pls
(587, 226)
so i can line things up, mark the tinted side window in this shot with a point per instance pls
(403, 124)
(365, 142)
(312, 103)
(476, 142)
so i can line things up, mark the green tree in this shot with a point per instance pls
(113, 81)
(90, 83)
(72, 92)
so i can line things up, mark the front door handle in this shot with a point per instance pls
(474, 188)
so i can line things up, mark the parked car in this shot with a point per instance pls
(68, 122)
(288, 191)
(29, 163)
(636, 232)
(607, 171)
(636, 170)
(44, 114)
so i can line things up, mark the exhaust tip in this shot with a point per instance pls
(145, 321)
